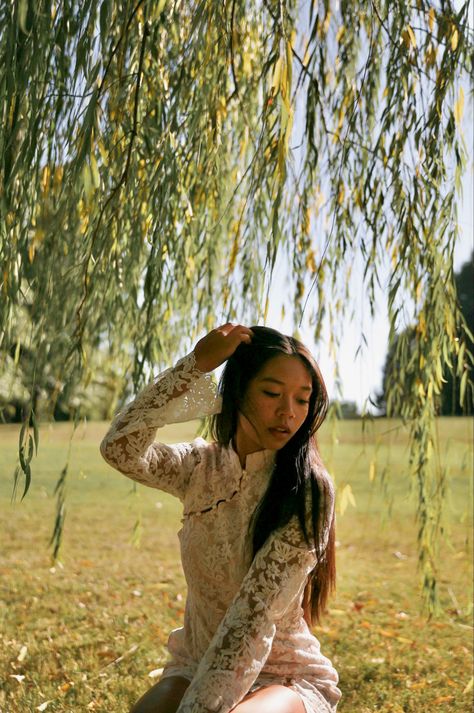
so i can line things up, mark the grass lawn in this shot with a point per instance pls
(89, 634)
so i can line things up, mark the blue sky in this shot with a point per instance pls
(362, 377)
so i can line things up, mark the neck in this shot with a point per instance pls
(243, 446)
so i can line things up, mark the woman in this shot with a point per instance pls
(257, 542)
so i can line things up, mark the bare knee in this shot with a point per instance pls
(164, 697)
(271, 699)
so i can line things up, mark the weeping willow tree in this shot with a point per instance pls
(158, 156)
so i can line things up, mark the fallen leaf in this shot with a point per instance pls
(442, 699)
(469, 685)
(22, 655)
(155, 673)
(417, 685)
(387, 633)
(400, 555)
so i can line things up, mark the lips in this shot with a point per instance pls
(280, 431)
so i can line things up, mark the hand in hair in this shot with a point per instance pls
(216, 347)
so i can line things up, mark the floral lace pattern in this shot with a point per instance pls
(128, 445)
(243, 619)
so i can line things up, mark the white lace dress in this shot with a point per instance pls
(243, 623)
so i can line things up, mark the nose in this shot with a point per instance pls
(286, 408)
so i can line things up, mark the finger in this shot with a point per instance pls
(237, 338)
(240, 331)
(225, 328)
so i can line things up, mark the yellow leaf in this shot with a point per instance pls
(190, 267)
(411, 35)
(311, 261)
(265, 311)
(275, 85)
(340, 33)
(416, 686)
(325, 26)
(469, 686)
(95, 172)
(408, 37)
(431, 19)
(347, 497)
(45, 178)
(387, 633)
(58, 176)
(421, 328)
(372, 470)
(454, 39)
(459, 107)
(430, 55)
(289, 66)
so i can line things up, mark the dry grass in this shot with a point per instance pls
(86, 634)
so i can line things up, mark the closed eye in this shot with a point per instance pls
(274, 395)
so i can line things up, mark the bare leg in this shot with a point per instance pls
(164, 697)
(271, 699)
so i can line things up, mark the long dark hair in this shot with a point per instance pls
(296, 464)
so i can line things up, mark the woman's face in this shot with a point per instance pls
(275, 404)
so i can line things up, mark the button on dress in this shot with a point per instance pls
(243, 623)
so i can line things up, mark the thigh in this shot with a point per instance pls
(164, 697)
(271, 699)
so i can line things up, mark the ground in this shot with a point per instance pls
(89, 633)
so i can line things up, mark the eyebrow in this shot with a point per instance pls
(277, 381)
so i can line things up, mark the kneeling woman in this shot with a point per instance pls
(257, 542)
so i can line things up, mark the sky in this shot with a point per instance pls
(362, 377)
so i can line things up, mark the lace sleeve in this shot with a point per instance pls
(242, 643)
(178, 394)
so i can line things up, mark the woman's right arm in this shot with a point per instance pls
(179, 394)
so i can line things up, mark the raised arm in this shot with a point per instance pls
(179, 394)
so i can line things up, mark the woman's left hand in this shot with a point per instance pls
(216, 347)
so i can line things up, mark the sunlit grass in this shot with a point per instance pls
(85, 634)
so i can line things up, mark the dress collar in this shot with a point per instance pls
(256, 460)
